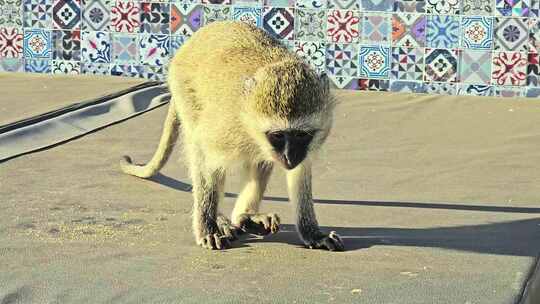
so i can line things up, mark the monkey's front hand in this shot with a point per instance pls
(260, 224)
(214, 241)
(330, 242)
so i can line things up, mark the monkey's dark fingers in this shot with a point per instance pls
(220, 241)
(331, 242)
(226, 228)
(337, 239)
(263, 220)
(229, 232)
(215, 241)
(274, 227)
(260, 224)
(205, 243)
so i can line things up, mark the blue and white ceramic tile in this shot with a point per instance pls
(12, 64)
(37, 66)
(466, 47)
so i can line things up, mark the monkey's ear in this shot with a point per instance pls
(249, 84)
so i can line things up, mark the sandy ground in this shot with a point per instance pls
(437, 199)
(38, 93)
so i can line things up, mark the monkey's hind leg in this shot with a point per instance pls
(246, 214)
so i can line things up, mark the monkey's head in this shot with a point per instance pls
(288, 111)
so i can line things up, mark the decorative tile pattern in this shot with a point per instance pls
(125, 17)
(511, 34)
(154, 49)
(96, 47)
(310, 25)
(276, 3)
(533, 70)
(186, 19)
(410, 6)
(407, 63)
(466, 47)
(66, 14)
(407, 86)
(376, 28)
(250, 15)
(342, 60)
(96, 68)
(534, 9)
(217, 13)
(37, 43)
(509, 68)
(37, 13)
(374, 62)
(441, 88)
(409, 30)
(66, 67)
(475, 90)
(510, 92)
(66, 45)
(477, 32)
(312, 52)
(475, 67)
(344, 4)
(533, 92)
(477, 7)
(155, 18)
(441, 65)
(11, 42)
(126, 70)
(443, 7)
(216, 2)
(443, 32)
(379, 85)
(125, 49)
(157, 73)
(342, 82)
(317, 4)
(343, 26)
(11, 12)
(11, 64)
(176, 42)
(378, 5)
(279, 22)
(534, 35)
(512, 7)
(37, 66)
(96, 15)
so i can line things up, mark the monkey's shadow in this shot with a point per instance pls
(518, 237)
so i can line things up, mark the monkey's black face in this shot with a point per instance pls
(290, 146)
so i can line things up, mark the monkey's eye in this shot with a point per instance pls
(303, 135)
(276, 139)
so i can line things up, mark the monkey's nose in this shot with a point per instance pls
(291, 160)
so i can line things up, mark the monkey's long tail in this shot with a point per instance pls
(168, 139)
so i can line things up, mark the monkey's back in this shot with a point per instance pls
(208, 74)
(216, 59)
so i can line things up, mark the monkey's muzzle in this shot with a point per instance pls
(290, 147)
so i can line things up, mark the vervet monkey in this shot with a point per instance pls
(241, 98)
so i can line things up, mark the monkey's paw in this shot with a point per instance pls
(260, 224)
(330, 242)
(226, 228)
(214, 241)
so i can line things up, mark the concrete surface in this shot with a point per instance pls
(437, 199)
(26, 94)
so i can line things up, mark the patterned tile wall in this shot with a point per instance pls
(468, 47)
